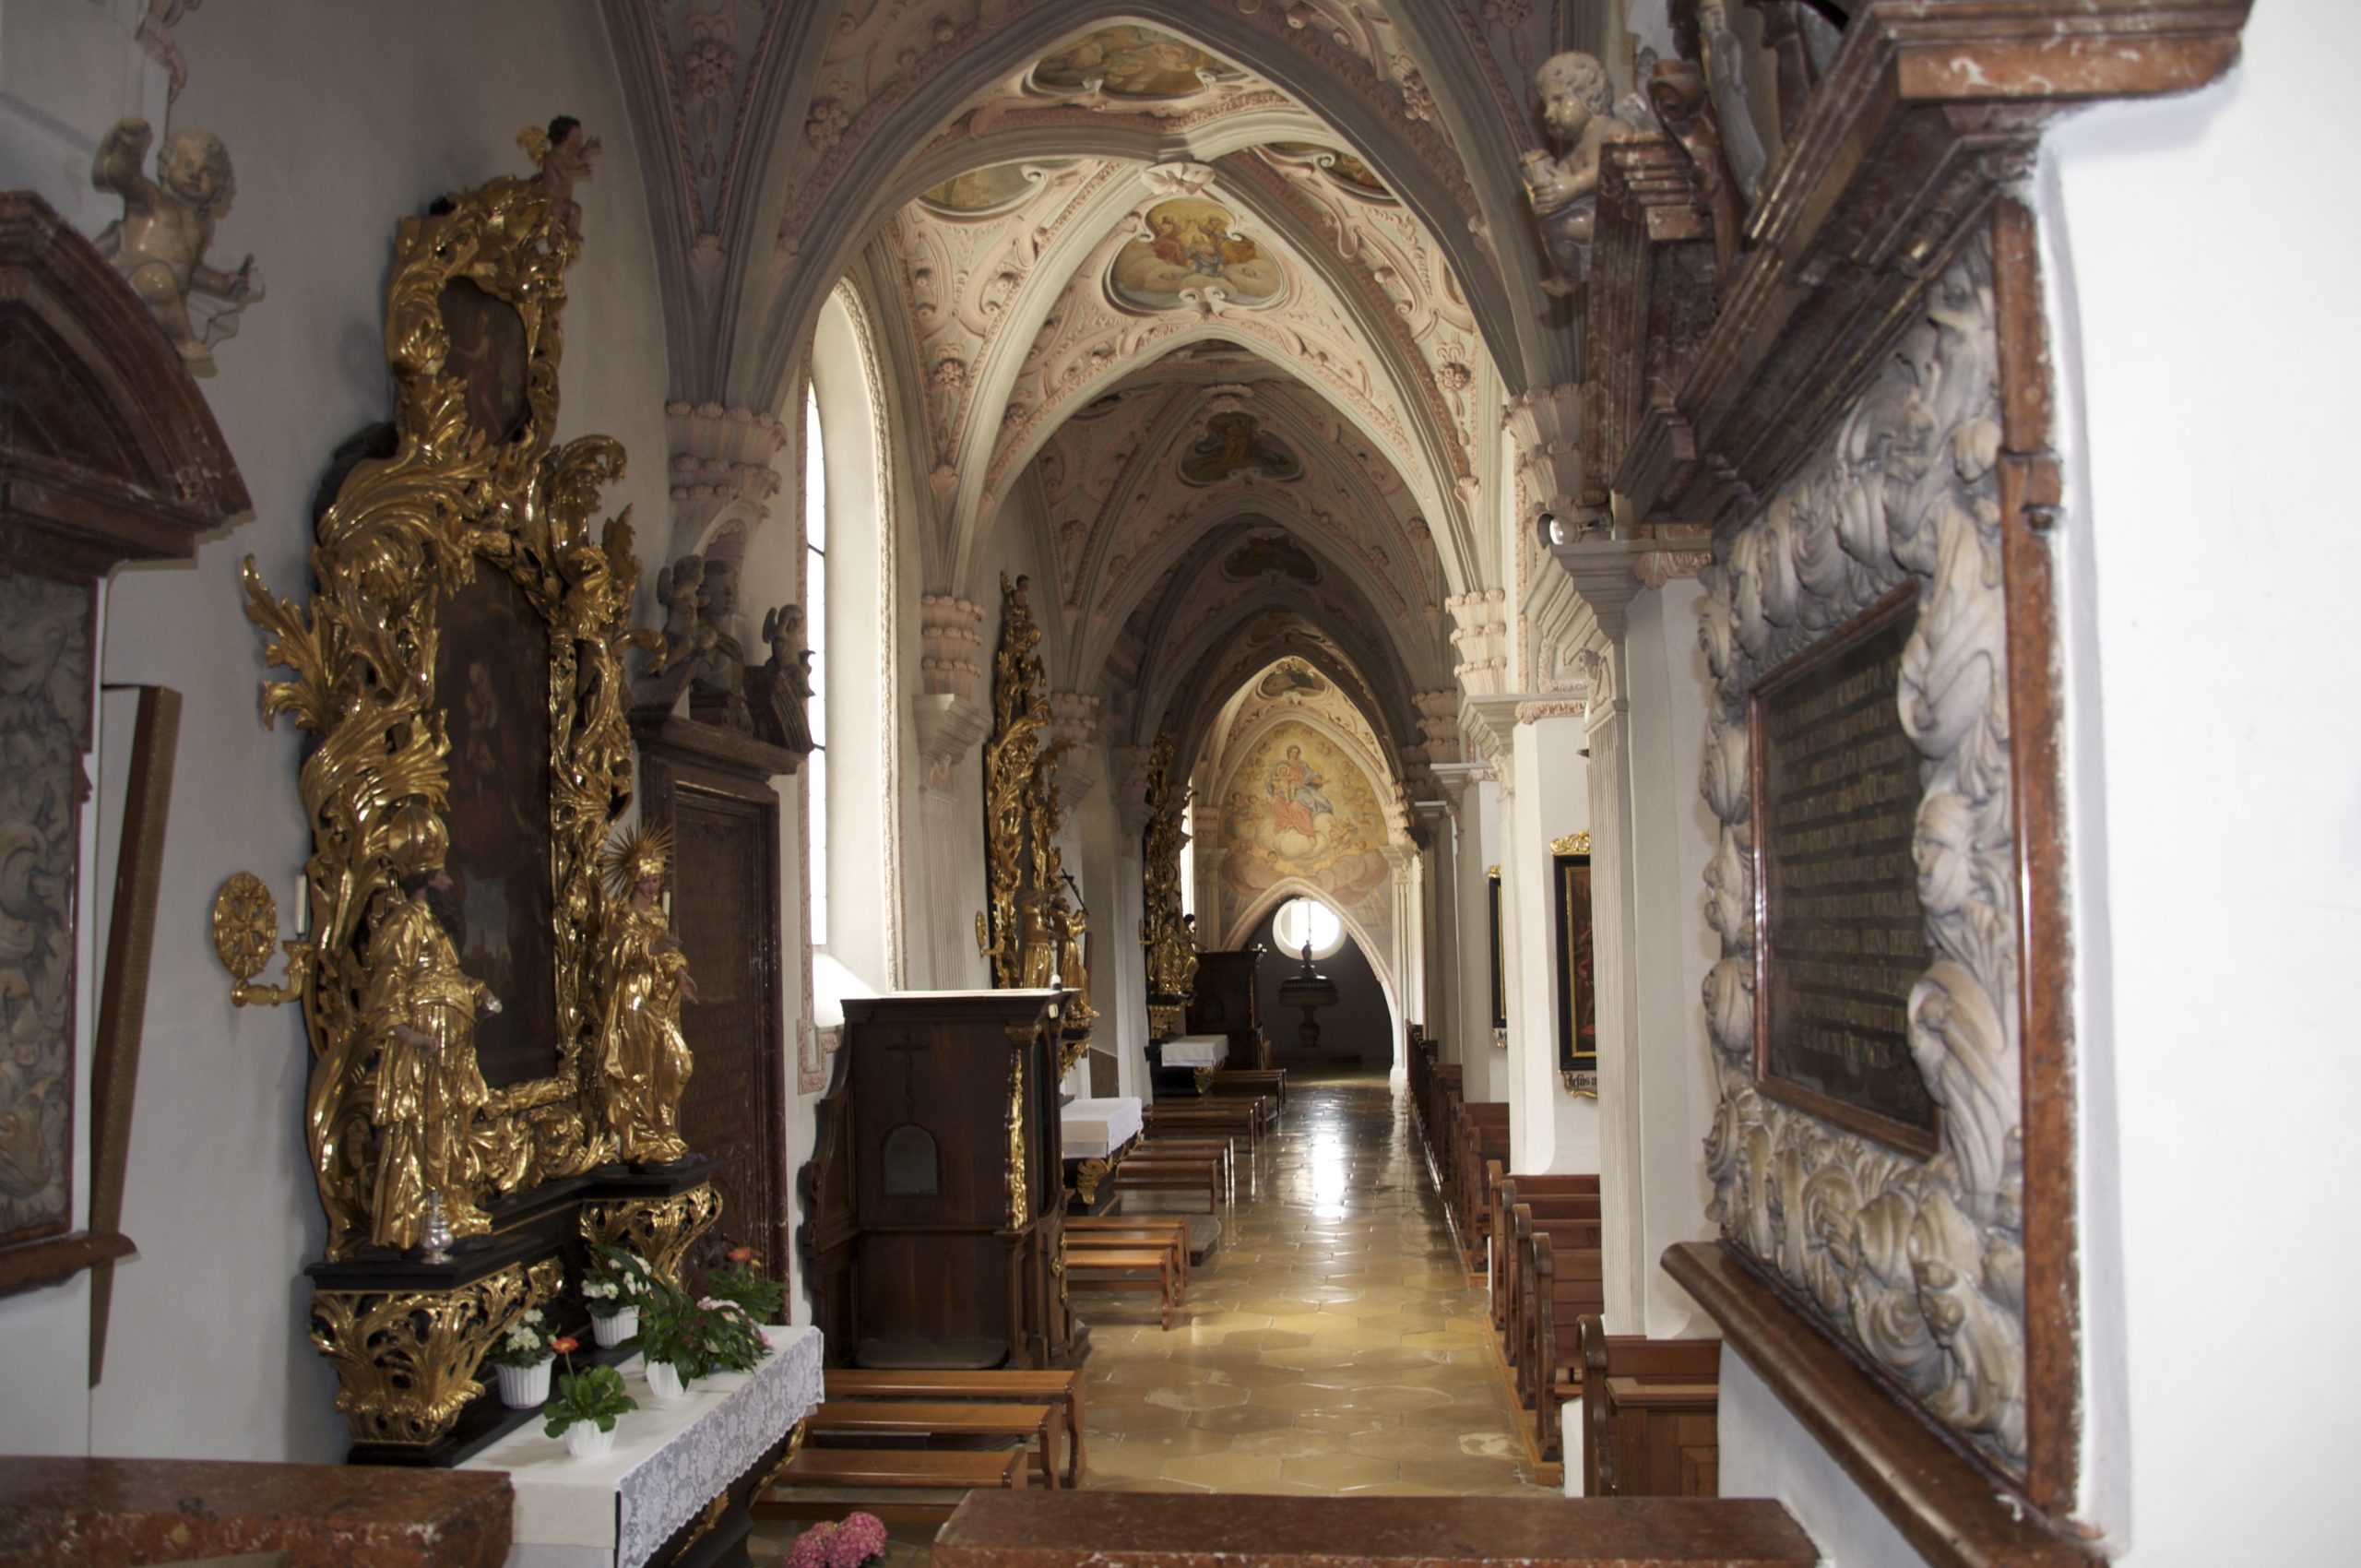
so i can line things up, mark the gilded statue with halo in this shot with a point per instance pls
(427, 1094)
(642, 1058)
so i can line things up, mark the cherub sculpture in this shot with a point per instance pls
(564, 152)
(1575, 96)
(679, 588)
(723, 666)
(783, 630)
(158, 243)
(779, 690)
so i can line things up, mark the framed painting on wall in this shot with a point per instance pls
(1500, 978)
(1577, 986)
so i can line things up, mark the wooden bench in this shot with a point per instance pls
(1141, 1229)
(1132, 1240)
(1176, 1146)
(1039, 1424)
(1234, 1118)
(890, 1469)
(1509, 1191)
(1017, 1386)
(1650, 1408)
(1254, 1082)
(1479, 1151)
(1141, 1174)
(1559, 1289)
(1577, 1231)
(1125, 1269)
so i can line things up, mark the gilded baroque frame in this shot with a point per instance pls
(404, 533)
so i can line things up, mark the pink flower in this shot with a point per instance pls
(811, 1548)
(565, 1344)
(741, 1254)
(858, 1539)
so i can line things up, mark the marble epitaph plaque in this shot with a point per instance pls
(1840, 935)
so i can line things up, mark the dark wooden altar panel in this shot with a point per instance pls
(1224, 1004)
(958, 1270)
(724, 907)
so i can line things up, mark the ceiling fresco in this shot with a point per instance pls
(1193, 247)
(1130, 62)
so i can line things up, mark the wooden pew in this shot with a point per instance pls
(1040, 1425)
(1479, 1149)
(1510, 1190)
(1571, 1226)
(1269, 1083)
(1125, 1269)
(1151, 1227)
(1233, 1118)
(1649, 1414)
(1147, 1233)
(1015, 1386)
(1442, 1094)
(1559, 1288)
(883, 1469)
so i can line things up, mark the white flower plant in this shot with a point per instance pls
(528, 1342)
(618, 1281)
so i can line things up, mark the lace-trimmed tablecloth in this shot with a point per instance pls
(668, 1460)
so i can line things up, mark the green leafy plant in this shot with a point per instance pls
(699, 1336)
(594, 1394)
(530, 1341)
(619, 1279)
(764, 1299)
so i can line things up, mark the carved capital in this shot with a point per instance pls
(1657, 567)
(1481, 636)
(720, 463)
(1547, 426)
(1439, 722)
(950, 727)
(951, 642)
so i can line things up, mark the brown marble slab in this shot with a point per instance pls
(93, 1512)
(1138, 1529)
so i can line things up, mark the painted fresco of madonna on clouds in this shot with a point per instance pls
(1192, 246)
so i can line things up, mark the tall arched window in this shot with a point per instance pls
(815, 632)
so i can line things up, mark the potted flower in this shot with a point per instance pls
(858, 1540)
(585, 1409)
(685, 1339)
(762, 1297)
(522, 1357)
(618, 1285)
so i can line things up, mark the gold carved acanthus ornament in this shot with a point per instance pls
(407, 530)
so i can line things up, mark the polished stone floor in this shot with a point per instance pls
(1330, 1344)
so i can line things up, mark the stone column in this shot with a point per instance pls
(1466, 1030)
(1123, 959)
(952, 716)
(1672, 839)
(1602, 570)
(1206, 854)
(1405, 882)
(1437, 901)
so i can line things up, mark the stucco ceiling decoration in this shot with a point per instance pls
(1191, 252)
(1236, 446)
(1340, 168)
(1121, 502)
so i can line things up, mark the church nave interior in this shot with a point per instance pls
(709, 697)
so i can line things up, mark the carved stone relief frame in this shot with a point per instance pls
(1919, 1264)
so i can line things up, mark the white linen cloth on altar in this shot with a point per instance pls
(1197, 1051)
(1093, 1129)
(668, 1461)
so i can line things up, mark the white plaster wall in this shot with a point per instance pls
(340, 121)
(1552, 800)
(2201, 279)
(1673, 836)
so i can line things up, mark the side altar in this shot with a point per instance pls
(484, 958)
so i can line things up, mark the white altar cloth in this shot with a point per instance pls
(1093, 1129)
(667, 1462)
(1197, 1051)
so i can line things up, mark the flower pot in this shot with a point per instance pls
(585, 1441)
(665, 1381)
(613, 1328)
(526, 1388)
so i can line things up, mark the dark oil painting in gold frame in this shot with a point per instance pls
(488, 354)
(1577, 982)
(1500, 977)
(493, 673)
